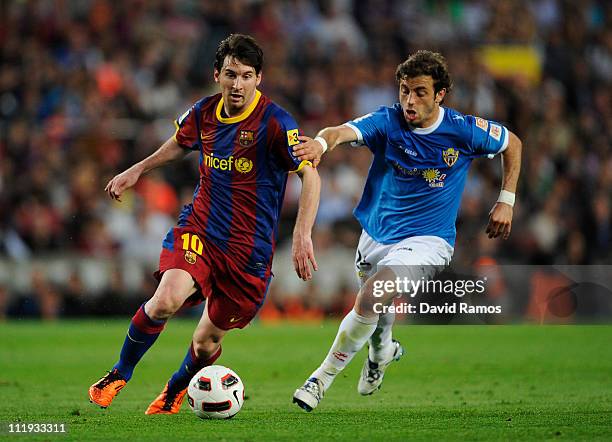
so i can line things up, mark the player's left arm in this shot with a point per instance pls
(302, 250)
(500, 216)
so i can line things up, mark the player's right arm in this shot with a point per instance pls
(169, 151)
(185, 139)
(311, 149)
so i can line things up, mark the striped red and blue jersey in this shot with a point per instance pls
(244, 164)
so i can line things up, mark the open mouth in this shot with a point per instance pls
(410, 115)
(236, 96)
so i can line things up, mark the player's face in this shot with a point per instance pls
(419, 102)
(238, 83)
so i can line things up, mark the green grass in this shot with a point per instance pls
(456, 382)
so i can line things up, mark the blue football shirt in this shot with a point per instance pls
(416, 179)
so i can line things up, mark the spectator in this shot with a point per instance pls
(89, 88)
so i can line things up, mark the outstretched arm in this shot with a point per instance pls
(169, 151)
(327, 139)
(500, 216)
(302, 234)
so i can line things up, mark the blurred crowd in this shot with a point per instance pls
(89, 87)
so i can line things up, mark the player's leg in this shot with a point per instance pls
(383, 350)
(417, 258)
(380, 342)
(175, 287)
(356, 327)
(229, 305)
(369, 253)
(354, 331)
(204, 350)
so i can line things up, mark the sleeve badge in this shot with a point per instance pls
(482, 123)
(495, 132)
(292, 137)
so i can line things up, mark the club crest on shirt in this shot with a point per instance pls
(244, 165)
(190, 257)
(246, 137)
(450, 156)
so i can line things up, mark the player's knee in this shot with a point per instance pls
(365, 304)
(377, 291)
(163, 305)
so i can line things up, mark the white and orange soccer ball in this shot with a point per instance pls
(215, 392)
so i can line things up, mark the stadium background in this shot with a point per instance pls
(89, 87)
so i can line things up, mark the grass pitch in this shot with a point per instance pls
(455, 382)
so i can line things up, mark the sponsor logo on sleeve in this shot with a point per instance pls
(482, 123)
(292, 137)
(495, 131)
(182, 117)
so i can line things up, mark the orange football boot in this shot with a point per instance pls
(167, 403)
(104, 391)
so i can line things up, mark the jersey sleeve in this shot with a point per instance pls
(285, 137)
(487, 138)
(371, 129)
(186, 134)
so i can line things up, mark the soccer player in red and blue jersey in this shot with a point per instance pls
(220, 252)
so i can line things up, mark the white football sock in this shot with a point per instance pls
(352, 335)
(381, 349)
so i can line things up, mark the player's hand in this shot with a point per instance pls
(500, 221)
(308, 150)
(303, 253)
(120, 183)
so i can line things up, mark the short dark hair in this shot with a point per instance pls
(242, 47)
(426, 63)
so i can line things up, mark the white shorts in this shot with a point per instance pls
(415, 257)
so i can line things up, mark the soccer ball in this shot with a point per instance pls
(215, 392)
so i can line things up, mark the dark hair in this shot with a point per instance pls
(428, 63)
(242, 47)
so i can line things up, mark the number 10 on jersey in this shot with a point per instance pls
(192, 242)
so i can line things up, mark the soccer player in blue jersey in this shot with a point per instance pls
(422, 152)
(220, 252)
